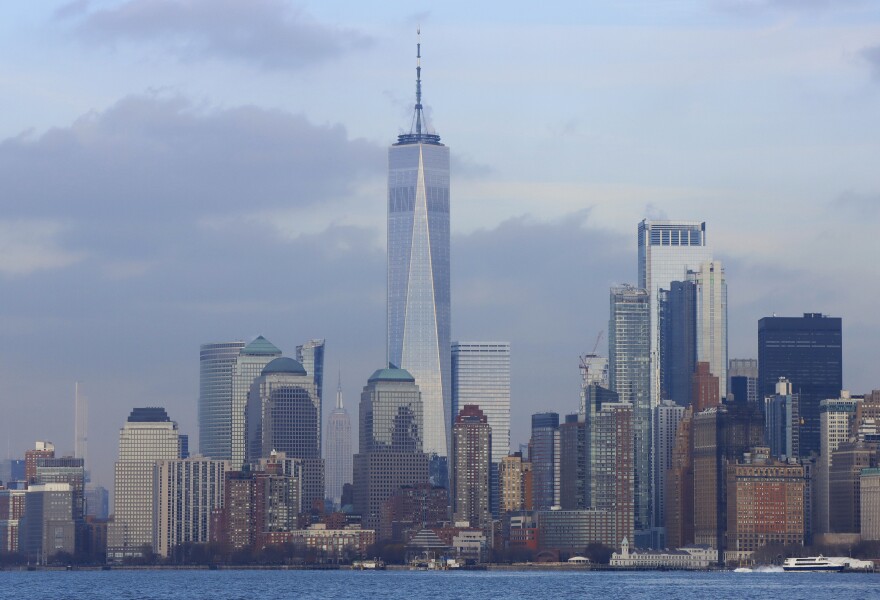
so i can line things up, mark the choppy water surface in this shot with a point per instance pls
(415, 585)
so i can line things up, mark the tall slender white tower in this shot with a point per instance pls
(337, 449)
(419, 321)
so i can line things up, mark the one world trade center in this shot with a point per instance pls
(418, 268)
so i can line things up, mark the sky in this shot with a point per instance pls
(175, 172)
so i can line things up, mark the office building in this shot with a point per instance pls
(629, 339)
(283, 416)
(471, 458)
(836, 418)
(97, 502)
(337, 450)
(844, 480)
(678, 340)
(147, 436)
(765, 502)
(481, 377)
(216, 365)
(869, 490)
(808, 352)
(412, 508)
(250, 363)
(544, 456)
(47, 526)
(186, 492)
(782, 421)
(611, 482)
(390, 443)
(742, 379)
(311, 356)
(419, 312)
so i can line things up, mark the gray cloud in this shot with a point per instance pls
(857, 206)
(269, 33)
(759, 6)
(138, 175)
(872, 57)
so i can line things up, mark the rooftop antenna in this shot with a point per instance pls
(339, 391)
(419, 81)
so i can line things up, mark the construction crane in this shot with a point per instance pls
(587, 359)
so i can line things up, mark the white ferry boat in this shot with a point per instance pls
(810, 563)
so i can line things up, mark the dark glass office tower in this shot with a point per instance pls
(678, 341)
(808, 352)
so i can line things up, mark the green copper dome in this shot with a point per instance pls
(284, 365)
(392, 373)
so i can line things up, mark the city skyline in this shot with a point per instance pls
(77, 292)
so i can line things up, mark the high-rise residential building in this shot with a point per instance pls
(667, 416)
(765, 502)
(390, 442)
(544, 456)
(337, 449)
(711, 314)
(720, 436)
(216, 365)
(47, 526)
(704, 388)
(782, 421)
(248, 366)
(481, 377)
(186, 492)
(836, 417)
(629, 339)
(41, 450)
(808, 352)
(471, 457)
(515, 482)
(311, 356)
(573, 458)
(742, 378)
(284, 416)
(411, 509)
(147, 436)
(679, 493)
(12, 503)
(419, 317)
(612, 457)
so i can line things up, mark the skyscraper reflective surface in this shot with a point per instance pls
(418, 320)
(216, 363)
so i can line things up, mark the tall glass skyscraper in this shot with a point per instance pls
(628, 347)
(667, 251)
(216, 363)
(419, 325)
(808, 352)
(248, 366)
(311, 356)
(481, 377)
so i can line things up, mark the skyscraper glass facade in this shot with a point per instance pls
(481, 377)
(808, 352)
(248, 366)
(216, 363)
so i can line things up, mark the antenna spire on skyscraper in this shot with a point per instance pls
(418, 132)
(339, 391)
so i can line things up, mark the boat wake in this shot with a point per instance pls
(765, 569)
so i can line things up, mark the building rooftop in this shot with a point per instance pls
(284, 364)
(260, 347)
(150, 414)
(392, 373)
